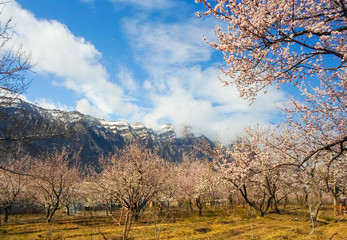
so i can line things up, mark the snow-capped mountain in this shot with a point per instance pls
(27, 128)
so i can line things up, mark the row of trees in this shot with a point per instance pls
(49, 181)
(252, 170)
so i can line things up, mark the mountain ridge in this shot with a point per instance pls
(32, 129)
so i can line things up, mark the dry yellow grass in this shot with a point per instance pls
(214, 224)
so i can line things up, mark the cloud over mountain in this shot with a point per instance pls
(179, 83)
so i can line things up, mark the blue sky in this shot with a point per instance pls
(139, 61)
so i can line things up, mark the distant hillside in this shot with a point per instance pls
(26, 128)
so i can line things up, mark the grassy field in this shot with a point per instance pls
(237, 223)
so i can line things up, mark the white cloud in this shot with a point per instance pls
(56, 50)
(147, 4)
(87, 1)
(180, 88)
(160, 46)
(126, 78)
(197, 99)
(49, 104)
(183, 92)
(85, 106)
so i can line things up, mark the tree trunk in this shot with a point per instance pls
(50, 213)
(261, 207)
(190, 205)
(230, 198)
(335, 196)
(135, 213)
(199, 205)
(48, 210)
(285, 202)
(317, 209)
(106, 211)
(161, 209)
(313, 210)
(275, 205)
(67, 209)
(136, 216)
(7, 213)
(127, 224)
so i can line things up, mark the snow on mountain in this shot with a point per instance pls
(38, 130)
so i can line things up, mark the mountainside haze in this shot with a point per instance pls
(27, 128)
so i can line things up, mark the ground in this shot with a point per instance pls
(234, 223)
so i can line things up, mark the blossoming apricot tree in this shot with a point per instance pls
(271, 42)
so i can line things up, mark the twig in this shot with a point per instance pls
(333, 236)
(102, 234)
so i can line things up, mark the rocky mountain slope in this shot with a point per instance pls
(26, 128)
